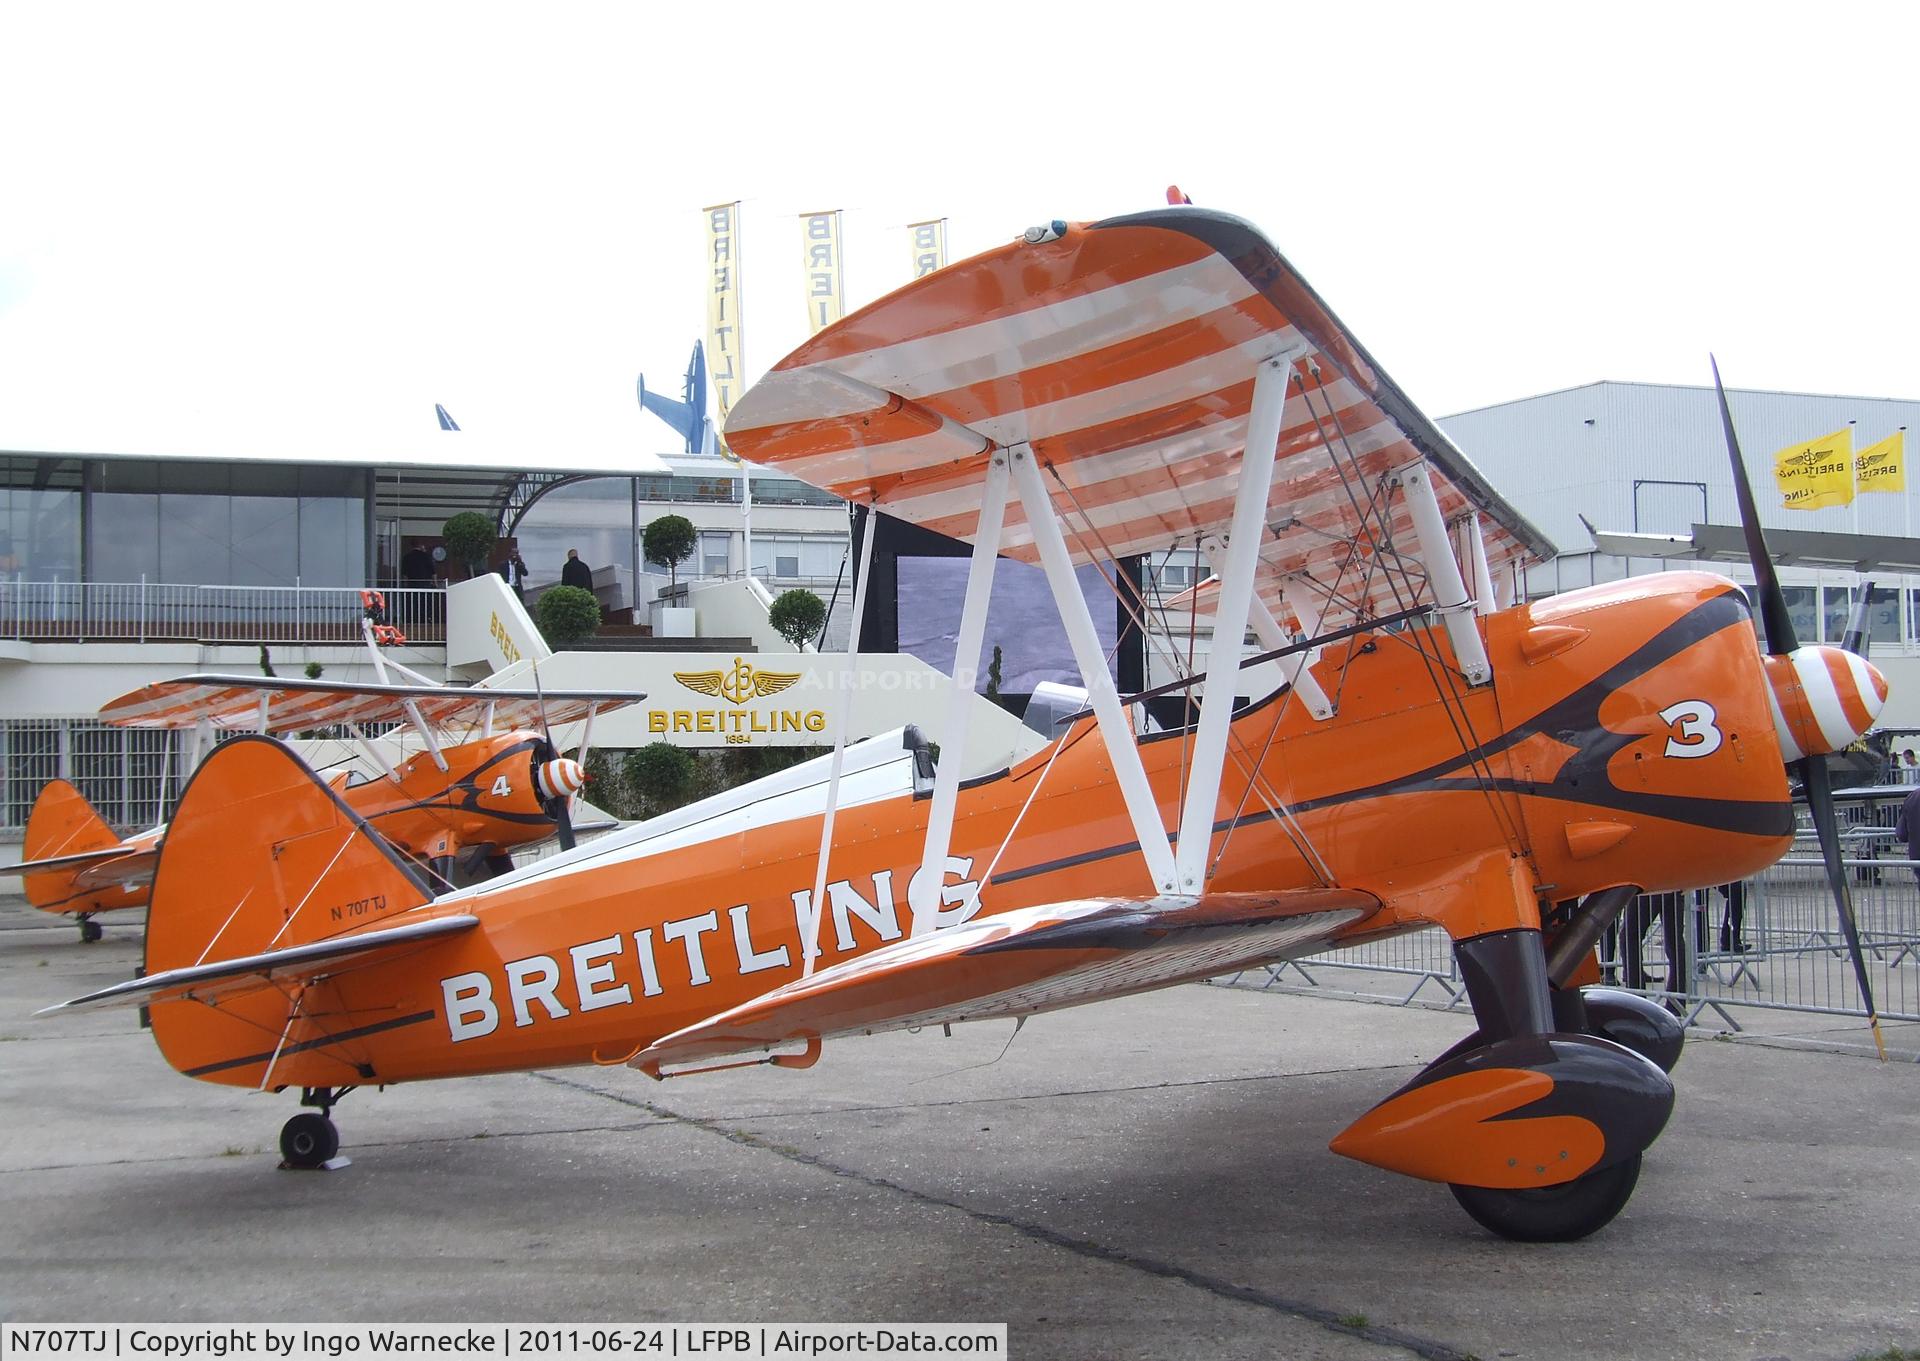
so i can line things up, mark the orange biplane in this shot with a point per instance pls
(459, 807)
(1512, 773)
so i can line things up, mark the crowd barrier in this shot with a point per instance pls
(1784, 962)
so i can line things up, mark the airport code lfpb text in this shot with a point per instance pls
(321, 1342)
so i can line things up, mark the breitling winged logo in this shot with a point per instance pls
(739, 684)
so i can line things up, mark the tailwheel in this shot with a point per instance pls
(89, 931)
(308, 1141)
(1553, 1214)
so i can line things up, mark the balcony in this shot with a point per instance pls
(154, 612)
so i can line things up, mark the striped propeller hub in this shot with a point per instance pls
(1824, 698)
(561, 778)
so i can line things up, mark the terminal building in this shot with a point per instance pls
(126, 566)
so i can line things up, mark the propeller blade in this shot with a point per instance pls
(561, 811)
(1772, 602)
(1859, 627)
(1813, 778)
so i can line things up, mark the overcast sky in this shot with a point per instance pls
(223, 224)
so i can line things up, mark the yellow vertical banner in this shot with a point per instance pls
(1816, 474)
(726, 346)
(1882, 466)
(929, 241)
(826, 281)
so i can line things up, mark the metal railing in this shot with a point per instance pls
(145, 611)
(1781, 964)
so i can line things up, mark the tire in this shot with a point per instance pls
(1553, 1214)
(89, 931)
(308, 1140)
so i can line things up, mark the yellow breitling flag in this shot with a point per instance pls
(726, 347)
(826, 283)
(929, 241)
(1818, 473)
(1882, 466)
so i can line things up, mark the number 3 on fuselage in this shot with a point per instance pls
(1696, 733)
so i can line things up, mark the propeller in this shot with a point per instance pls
(1812, 712)
(556, 793)
(1859, 628)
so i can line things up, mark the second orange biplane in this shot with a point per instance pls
(461, 806)
(1512, 773)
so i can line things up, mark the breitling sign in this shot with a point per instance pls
(740, 686)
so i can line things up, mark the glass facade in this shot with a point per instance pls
(220, 524)
(40, 518)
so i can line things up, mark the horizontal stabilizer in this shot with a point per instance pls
(1029, 960)
(78, 860)
(279, 705)
(204, 982)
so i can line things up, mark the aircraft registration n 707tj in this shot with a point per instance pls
(1512, 773)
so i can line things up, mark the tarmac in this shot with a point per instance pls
(1141, 1178)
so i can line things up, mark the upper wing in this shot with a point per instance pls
(295, 705)
(1029, 960)
(205, 982)
(1124, 352)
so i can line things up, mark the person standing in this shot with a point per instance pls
(1907, 827)
(576, 572)
(513, 571)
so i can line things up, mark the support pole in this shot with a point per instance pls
(1272, 636)
(1231, 607)
(1115, 731)
(923, 895)
(1443, 572)
(1476, 544)
(810, 947)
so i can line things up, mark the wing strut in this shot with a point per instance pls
(1115, 730)
(1443, 572)
(923, 896)
(810, 950)
(1231, 608)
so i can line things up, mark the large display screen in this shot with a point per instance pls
(1021, 620)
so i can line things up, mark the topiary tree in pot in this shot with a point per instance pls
(566, 614)
(668, 542)
(797, 616)
(468, 539)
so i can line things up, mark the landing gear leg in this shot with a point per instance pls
(89, 931)
(309, 1141)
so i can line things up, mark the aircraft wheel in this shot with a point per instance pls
(1553, 1214)
(89, 931)
(308, 1140)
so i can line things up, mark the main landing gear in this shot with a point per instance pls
(1537, 1121)
(309, 1142)
(89, 930)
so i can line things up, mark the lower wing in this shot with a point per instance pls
(1017, 963)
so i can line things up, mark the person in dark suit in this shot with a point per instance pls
(1907, 827)
(576, 572)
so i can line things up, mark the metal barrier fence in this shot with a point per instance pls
(143, 611)
(131, 775)
(1794, 963)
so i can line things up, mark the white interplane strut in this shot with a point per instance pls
(1273, 636)
(1474, 551)
(1231, 607)
(1443, 572)
(810, 948)
(923, 895)
(1115, 730)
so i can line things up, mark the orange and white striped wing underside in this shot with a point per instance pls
(234, 702)
(1124, 353)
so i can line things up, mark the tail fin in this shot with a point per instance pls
(62, 823)
(260, 856)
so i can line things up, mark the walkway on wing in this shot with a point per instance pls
(1146, 1178)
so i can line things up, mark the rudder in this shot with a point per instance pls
(63, 823)
(260, 855)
